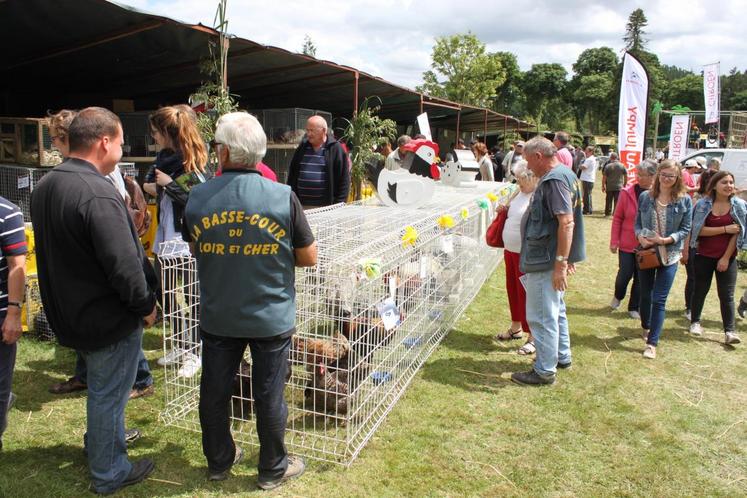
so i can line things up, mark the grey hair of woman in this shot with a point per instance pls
(522, 171)
(648, 167)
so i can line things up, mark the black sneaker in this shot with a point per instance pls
(296, 467)
(140, 470)
(532, 378)
(222, 476)
(564, 366)
(742, 308)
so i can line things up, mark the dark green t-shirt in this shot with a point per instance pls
(615, 175)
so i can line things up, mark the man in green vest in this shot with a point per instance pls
(247, 234)
(552, 232)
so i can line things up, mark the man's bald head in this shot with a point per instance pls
(316, 131)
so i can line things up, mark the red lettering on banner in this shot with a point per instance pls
(677, 140)
(631, 137)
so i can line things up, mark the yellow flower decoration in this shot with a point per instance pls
(410, 236)
(492, 197)
(464, 213)
(445, 221)
(504, 192)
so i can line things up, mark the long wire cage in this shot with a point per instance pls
(388, 286)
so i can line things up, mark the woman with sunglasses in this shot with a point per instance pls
(179, 164)
(663, 221)
(719, 220)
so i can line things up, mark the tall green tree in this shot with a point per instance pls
(510, 98)
(686, 91)
(634, 33)
(591, 89)
(671, 73)
(543, 84)
(463, 71)
(602, 60)
(309, 48)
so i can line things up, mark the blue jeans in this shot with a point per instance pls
(111, 372)
(220, 362)
(143, 378)
(626, 270)
(655, 286)
(7, 362)
(548, 323)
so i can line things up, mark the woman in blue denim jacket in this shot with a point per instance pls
(719, 222)
(663, 221)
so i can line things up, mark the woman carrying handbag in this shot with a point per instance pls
(662, 222)
(511, 235)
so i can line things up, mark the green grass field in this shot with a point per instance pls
(615, 425)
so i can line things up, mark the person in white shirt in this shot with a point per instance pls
(588, 174)
(396, 159)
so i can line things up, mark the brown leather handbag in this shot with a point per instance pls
(647, 259)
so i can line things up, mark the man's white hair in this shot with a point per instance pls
(540, 144)
(244, 137)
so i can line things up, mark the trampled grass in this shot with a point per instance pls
(614, 425)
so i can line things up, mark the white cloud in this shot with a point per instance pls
(393, 39)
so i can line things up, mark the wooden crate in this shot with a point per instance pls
(27, 141)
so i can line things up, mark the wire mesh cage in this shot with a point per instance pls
(388, 286)
(36, 319)
(17, 183)
(287, 126)
(27, 141)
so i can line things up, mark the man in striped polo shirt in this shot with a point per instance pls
(318, 172)
(12, 285)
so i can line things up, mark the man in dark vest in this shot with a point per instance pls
(93, 285)
(552, 242)
(248, 234)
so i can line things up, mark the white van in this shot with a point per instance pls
(732, 160)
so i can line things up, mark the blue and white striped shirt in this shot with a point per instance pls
(312, 177)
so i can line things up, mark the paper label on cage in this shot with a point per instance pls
(523, 280)
(24, 181)
(389, 313)
(447, 244)
(424, 267)
(392, 288)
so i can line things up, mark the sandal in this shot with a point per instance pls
(509, 335)
(527, 349)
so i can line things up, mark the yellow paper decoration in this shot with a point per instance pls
(445, 221)
(492, 197)
(410, 236)
(464, 213)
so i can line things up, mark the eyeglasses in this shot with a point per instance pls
(668, 177)
(52, 138)
(213, 144)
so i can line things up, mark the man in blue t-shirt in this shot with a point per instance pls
(12, 285)
(247, 234)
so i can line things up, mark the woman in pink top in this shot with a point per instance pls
(622, 238)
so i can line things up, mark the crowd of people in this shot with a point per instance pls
(99, 290)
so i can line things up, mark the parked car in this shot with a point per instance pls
(732, 160)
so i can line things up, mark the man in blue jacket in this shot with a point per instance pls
(319, 171)
(552, 242)
(93, 285)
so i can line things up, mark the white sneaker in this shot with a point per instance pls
(191, 366)
(171, 357)
(649, 352)
(615, 303)
(732, 338)
(696, 329)
(634, 314)
(688, 315)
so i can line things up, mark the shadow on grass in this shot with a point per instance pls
(472, 375)
(31, 388)
(459, 340)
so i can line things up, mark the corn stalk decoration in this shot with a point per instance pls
(363, 133)
(212, 99)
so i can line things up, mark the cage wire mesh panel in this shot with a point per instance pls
(388, 286)
(17, 183)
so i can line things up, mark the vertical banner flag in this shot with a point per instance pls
(678, 137)
(631, 121)
(425, 127)
(712, 94)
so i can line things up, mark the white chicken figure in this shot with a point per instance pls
(404, 189)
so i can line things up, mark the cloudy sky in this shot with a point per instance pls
(393, 39)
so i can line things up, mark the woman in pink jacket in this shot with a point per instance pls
(622, 238)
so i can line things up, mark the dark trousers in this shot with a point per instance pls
(626, 271)
(220, 362)
(7, 362)
(690, 267)
(610, 202)
(587, 187)
(726, 281)
(143, 378)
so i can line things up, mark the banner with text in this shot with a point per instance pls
(631, 123)
(711, 92)
(678, 137)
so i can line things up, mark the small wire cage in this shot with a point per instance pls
(17, 183)
(388, 286)
(36, 318)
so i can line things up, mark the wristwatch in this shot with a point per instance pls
(15, 303)
(560, 259)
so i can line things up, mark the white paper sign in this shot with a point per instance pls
(678, 137)
(424, 263)
(711, 92)
(24, 181)
(425, 127)
(389, 314)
